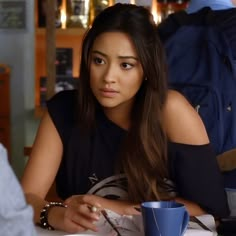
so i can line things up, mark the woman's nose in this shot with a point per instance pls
(110, 74)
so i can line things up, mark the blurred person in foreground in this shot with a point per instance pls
(16, 217)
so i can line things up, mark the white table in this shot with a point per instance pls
(193, 230)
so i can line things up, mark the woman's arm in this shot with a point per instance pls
(181, 121)
(192, 208)
(194, 166)
(183, 125)
(42, 165)
(39, 175)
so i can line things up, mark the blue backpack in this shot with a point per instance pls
(202, 66)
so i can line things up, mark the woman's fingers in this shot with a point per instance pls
(90, 200)
(81, 215)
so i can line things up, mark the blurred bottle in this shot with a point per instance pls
(166, 7)
(42, 8)
(77, 13)
(58, 13)
(96, 6)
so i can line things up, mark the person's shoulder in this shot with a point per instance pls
(62, 106)
(65, 95)
(174, 98)
(181, 121)
(3, 151)
(177, 107)
(176, 103)
(3, 157)
(66, 98)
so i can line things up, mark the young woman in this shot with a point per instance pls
(122, 137)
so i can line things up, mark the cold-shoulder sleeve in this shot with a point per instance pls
(197, 177)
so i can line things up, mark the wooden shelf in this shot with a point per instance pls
(65, 38)
(67, 31)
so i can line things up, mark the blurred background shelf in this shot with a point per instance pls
(68, 31)
(71, 19)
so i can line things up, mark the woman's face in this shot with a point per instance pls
(116, 73)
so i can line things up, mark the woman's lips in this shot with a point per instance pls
(108, 92)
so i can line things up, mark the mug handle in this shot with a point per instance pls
(185, 222)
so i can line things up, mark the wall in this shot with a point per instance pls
(17, 51)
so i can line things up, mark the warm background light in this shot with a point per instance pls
(63, 19)
(154, 11)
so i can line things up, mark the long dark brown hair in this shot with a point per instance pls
(144, 157)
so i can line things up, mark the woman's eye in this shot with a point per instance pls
(126, 66)
(98, 61)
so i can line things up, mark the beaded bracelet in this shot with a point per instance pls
(44, 214)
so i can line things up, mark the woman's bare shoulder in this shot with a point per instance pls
(181, 121)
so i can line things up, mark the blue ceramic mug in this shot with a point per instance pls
(164, 218)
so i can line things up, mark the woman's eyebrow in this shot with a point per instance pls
(128, 57)
(120, 57)
(98, 52)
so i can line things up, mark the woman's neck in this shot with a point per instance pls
(119, 115)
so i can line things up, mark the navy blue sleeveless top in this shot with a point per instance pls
(89, 161)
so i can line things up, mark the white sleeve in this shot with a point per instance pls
(16, 217)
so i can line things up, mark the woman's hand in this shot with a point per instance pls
(77, 216)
